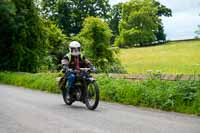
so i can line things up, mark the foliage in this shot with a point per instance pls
(180, 57)
(49, 9)
(162, 10)
(37, 81)
(139, 20)
(112, 67)
(158, 31)
(33, 43)
(58, 43)
(29, 33)
(22, 36)
(95, 37)
(70, 14)
(7, 22)
(114, 20)
(179, 96)
(198, 31)
(160, 35)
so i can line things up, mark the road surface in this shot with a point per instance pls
(27, 111)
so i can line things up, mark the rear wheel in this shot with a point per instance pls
(92, 95)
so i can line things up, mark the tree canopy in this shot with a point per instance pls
(70, 14)
(138, 23)
(22, 38)
(162, 10)
(95, 37)
(26, 39)
(116, 15)
(198, 30)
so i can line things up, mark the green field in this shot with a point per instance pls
(172, 58)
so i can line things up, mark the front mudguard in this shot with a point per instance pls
(62, 83)
(91, 79)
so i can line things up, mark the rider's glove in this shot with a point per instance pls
(93, 69)
(65, 68)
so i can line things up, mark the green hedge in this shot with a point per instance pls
(38, 81)
(179, 96)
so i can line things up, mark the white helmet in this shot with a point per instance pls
(74, 48)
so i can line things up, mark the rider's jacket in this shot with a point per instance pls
(76, 62)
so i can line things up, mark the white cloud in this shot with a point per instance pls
(185, 18)
(181, 26)
(182, 5)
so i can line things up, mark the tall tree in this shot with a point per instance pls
(7, 28)
(198, 30)
(116, 13)
(114, 20)
(138, 23)
(30, 40)
(70, 14)
(49, 9)
(25, 44)
(161, 11)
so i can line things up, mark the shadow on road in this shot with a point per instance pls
(79, 107)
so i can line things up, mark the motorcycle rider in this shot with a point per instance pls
(74, 60)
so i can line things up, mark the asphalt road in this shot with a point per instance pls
(27, 111)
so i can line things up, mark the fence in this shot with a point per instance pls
(158, 76)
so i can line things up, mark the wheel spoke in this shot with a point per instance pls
(91, 94)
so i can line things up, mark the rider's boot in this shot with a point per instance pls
(68, 94)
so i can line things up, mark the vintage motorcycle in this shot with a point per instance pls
(85, 89)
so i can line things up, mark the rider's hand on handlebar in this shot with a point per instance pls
(93, 69)
(77, 71)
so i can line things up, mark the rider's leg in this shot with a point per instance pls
(70, 81)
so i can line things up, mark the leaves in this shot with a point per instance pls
(138, 23)
(95, 37)
(70, 14)
(24, 40)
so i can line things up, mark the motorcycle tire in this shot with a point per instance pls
(67, 101)
(88, 95)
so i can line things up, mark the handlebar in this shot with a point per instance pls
(85, 69)
(82, 69)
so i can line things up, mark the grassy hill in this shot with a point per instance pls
(173, 57)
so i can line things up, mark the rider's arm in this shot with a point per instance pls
(65, 63)
(89, 64)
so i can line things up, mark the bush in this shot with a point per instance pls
(37, 81)
(179, 96)
(58, 46)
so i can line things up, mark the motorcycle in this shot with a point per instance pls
(85, 89)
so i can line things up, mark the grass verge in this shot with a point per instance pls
(39, 81)
(179, 96)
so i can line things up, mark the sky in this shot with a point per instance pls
(183, 23)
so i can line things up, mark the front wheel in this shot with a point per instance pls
(64, 94)
(92, 95)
